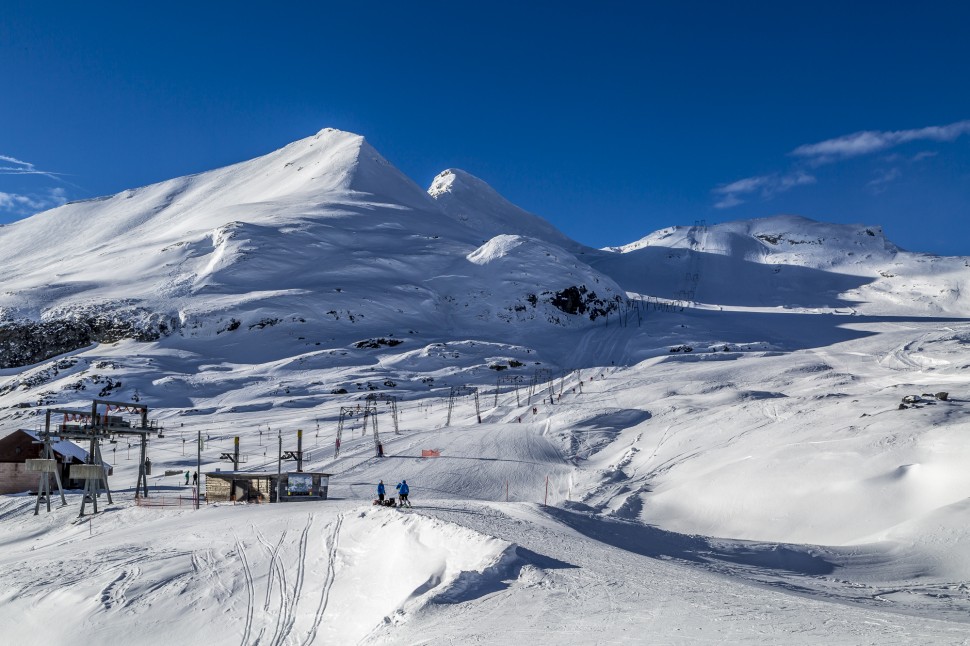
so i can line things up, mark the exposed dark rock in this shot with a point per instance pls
(579, 300)
(233, 325)
(27, 342)
(373, 344)
(269, 322)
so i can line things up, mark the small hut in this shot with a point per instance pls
(249, 486)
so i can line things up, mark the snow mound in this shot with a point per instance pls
(496, 248)
(434, 562)
(279, 574)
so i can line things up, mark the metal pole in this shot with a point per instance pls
(198, 468)
(142, 470)
(104, 473)
(279, 470)
(235, 455)
(546, 501)
(299, 450)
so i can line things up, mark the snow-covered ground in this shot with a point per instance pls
(715, 451)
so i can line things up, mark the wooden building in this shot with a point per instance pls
(20, 446)
(248, 486)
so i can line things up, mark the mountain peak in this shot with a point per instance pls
(454, 180)
(480, 207)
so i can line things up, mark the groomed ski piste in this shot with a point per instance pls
(722, 458)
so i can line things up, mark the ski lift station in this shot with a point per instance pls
(247, 486)
(18, 449)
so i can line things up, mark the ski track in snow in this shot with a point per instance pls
(277, 573)
(332, 542)
(298, 585)
(250, 591)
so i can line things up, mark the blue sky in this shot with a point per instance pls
(609, 119)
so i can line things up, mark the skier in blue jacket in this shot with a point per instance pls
(403, 491)
(380, 491)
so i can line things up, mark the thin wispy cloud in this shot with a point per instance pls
(857, 144)
(765, 186)
(896, 158)
(14, 166)
(884, 177)
(867, 142)
(14, 160)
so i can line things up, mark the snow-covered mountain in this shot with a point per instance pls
(324, 231)
(699, 436)
(789, 261)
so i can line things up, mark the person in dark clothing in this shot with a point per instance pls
(403, 491)
(380, 491)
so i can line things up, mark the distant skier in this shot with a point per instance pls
(380, 491)
(403, 490)
(195, 478)
(186, 478)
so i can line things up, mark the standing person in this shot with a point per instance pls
(186, 478)
(380, 491)
(404, 490)
(195, 479)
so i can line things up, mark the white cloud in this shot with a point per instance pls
(871, 141)
(21, 205)
(767, 186)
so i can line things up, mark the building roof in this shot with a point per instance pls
(65, 448)
(252, 475)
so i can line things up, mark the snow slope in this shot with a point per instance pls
(695, 438)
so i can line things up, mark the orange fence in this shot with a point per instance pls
(430, 453)
(162, 501)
